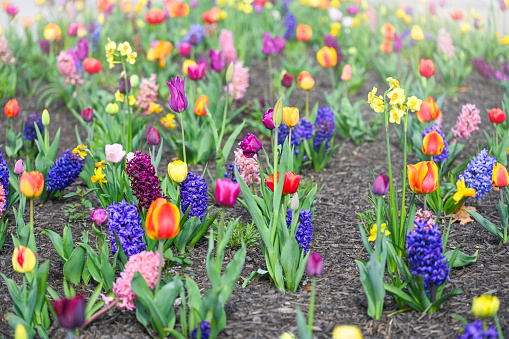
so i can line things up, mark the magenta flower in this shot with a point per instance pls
(226, 192)
(11, 9)
(196, 72)
(73, 29)
(268, 119)
(315, 265)
(81, 49)
(216, 60)
(185, 49)
(121, 85)
(70, 312)
(153, 137)
(178, 100)
(279, 43)
(352, 10)
(287, 80)
(268, 46)
(44, 44)
(99, 217)
(87, 114)
(398, 42)
(250, 145)
(381, 184)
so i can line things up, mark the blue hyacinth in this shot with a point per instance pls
(29, 132)
(95, 33)
(195, 35)
(425, 247)
(475, 330)
(204, 330)
(65, 171)
(479, 172)
(4, 176)
(230, 173)
(303, 130)
(305, 228)
(290, 21)
(123, 219)
(444, 156)
(193, 192)
(324, 128)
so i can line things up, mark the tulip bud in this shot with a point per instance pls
(135, 80)
(45, 118)
(229, 73)
(19, 167)
(73, 29)
(177, 170)
(226, 192)
(70, 312)
(381, 184)
(153, 137)
(23, 259)
(347, 332)
(121, 85)
(485, 306)
(314, 266)
(11, 108)
(20, 332)
(294, 202)
(185, 49)
(99, 217)
(500, 177)
(250, 145)
(112, 108)
(268, 119)
(278, 112)
(287, 80)
(426, 68)
(346, 74)
(87, 114)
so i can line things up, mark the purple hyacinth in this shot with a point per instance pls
(4, 176)
(195, 35)
(425, 247)
(303, 130)
(230, 173)
(95, 33)
(29, 132)
(82, 49)
(193, 192)
(475, 330)
(483, 68)
(478, 173)
(204, 330)
(444, 156)
(144, 181)
(330, 41)
(290, 22)
(305, 228)
(324, 128)
(65, 171)
(123, 219)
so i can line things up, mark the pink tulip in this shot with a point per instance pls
(226, 192)
(73, 29)
(346, 74)
(196, 72)
(114, 153)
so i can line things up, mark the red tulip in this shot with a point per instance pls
(500, 177)
(92, 65)
(153, 137)
(429, 110)
(11, 108)
(154, 16)
(426, 68)
(433, 143)
(290, 184)
(497, 116)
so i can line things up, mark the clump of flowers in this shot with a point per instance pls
(303, 130)
(324, 128)
(204, 330)
(444, 156)
(193, 192)
(124, 51)
(227, 47)
(305, 227)
(445, 44)
(5, 53)
(290, 22)
(476, 330)
(147, 263)
(425, 247)
(248, 168)
(144, 181)
(479, 172)
(240, 81)
(148, 92)
(195, 35)
(4, 176)
(123, 219)
(3, 200)
(467, 122)
(483, 68)
(65, 171)
(67, 66)
(29, 132)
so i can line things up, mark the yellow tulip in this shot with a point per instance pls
(485, 306)
(23, 259)
(416, 33)
(177, 171)
(290, 116)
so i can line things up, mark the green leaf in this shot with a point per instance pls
(302, 325)
(486, 224)
(68, 242)
(74, 266)
(461, 259)
(58, 243)
(253, 275)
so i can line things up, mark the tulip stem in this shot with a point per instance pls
(224, 116)
(290, 143)
(312, 306)
(161, 262)
(46, 138)
(307, 105)
(32, 214)
(332, 80)
(403, 197)
(183, 137)
(275, 208)
(393, 205)
(88, 134)
(219, 259)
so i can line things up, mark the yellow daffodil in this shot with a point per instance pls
(80, 150)
(378, 104)
(335, 28)
(396, 96)
(119, 96)
(372, 95)
(396, 114)
(504, 40)
(393, 82)
(374, 230)
(131, 58)
(125, 48)
(462, 191)
(132, 100)
(414, 103)
(110, 47)
(101, 164)
(99, 176)
(154, 108)
(168, 121)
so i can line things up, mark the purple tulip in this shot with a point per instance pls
(153, 137)
(268, 47)
(121, 85)
(268, 120)
(185, 49)
(250, 145)
(70, 312)
(19, 167)
(196, 72)
(381, 184)
(178, 99)
(287, 80)
(87, 114)
(279, 43)
(82, 49)
(99, 217)
(398, 42)
(44, 44)
(73, 29)
(216, 60)
(352, 10)
(314, 267)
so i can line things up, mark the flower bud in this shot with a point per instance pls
(20, 332)
(112, 108)
(314, 267)
(278, 112)
(268, 119)
(121, 85)
(381, 184)
(87, 114)
(153, 137)
(347, 332)
(287, 80)
(19, 167)
(135, 80)
(497, 116)
(11, 108)
(99, 217)
(485, 306)
(177, 170)
(45, 118)
(31, 184)
(185, 49)
(294, 202)
(250, 145)
(291, 116)
(229, 73)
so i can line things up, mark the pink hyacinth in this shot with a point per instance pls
(248, 167)
(227, 46)
(240, 81)
(372, 18)
(445, 43)
(5, 54)
(468, 121)
(67, 67)
(148, 92)
(147, 263)
(423, 215)
(3, 200)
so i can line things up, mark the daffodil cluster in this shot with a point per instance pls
(123, 50)
(400, 104)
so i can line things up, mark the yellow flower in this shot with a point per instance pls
(374, 230)
(372, 95)
(378, 104)
(396, 96)
(101, 164)
(168, 121)
(248, 9)
(140, 23)
(416, 33)
(400, 13)
(125, 48)
(131, 58)
(99, 176)
(393, 82)
(407, 19)
(110, 47)
(20, 332)
(464, 28)
(414, 103)
(154, 108)
(177, 171)
(223, 14)
(504, 40)
(111, 62)
(80, 150)
(485, 306)
(335, 28)
(111, 108)
(132, 100)
(101, 19)
(141, 4)
(347, 332)
(186, 65)
(119, 96)
(395, 115)
(462, 191)
(23, 259)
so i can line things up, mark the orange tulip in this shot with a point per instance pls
(304, 32)
(178, 9)
(433, 143)
(429, 110)
(386, 46)
(305, 81)
(163, 220)
(388, 31)
(327, 57)
(31, 184)
(423, 177)
(11, 108)
(92, 65)
(500, 177)
(211, 16)
(199, 106)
